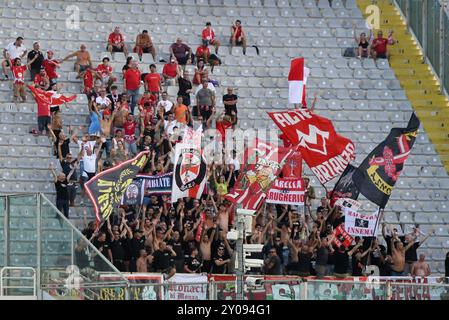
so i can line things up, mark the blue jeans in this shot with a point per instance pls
(108, 146)
(133, 94)
(131, 147)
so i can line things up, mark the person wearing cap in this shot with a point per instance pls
(144, 44)
(104, 73)
(116, 42)
(83, 60)
(181, 52)
(170, 70)
(208, 37)
(50, 66)
(13, 50)
(36, 66)
(41, 80)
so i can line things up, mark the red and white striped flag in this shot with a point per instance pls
(297, 79)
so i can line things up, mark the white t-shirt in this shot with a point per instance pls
(15, 52)
(103, 101)
(169, 125)
(88, 144)
(89, 163)
(166, 104)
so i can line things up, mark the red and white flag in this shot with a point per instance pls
(189, 177)
(297, 79)
(262, 166)
(326, 153)
(50, 97)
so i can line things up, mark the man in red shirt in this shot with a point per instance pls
(88, 81)
(18, 72)
(203, 52)
(147, 98)
(116, 42)
(153, 81)
(43, 114)
(41, 80)
(50, 66)
(104, 73)
(238, 37)
(130, 134)
(170, 70)
(208, 37)
(379, 46)
(132, 84)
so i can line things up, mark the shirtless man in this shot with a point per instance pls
(421, 268)
(398, 256)
(143, 261)
(120, 117)
(83, 61)
(106, 125)
(205, 248)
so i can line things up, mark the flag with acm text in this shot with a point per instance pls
(379, 172)
(107, 188)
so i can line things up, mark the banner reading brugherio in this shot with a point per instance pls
(106, 189)
(325, 152)
(286, 191)
(156, 185)
(378, 173)
(263, 164)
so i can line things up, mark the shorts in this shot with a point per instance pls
(381, 56)
(42, 123)
(90, 175)
(83, 67)
(116, 49)
(19, 90)
(209, 42)
(397, 274)
(206, 113)
(54, 109)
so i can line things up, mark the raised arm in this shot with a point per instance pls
(69, 56)
(358, 245)
(53, 172)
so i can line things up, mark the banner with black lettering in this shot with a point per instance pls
(341, 237)
(107, 188)
(345, 187)
(361, 225)
(160, 184)
(287, 191)
(133, 194)
(379, 172)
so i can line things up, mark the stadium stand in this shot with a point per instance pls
(364, 99)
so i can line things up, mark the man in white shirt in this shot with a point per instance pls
(89, 158)
(12, 51)
(102, 100)
(164, 103)
(170, 124)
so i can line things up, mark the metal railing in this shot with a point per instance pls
(12, 283)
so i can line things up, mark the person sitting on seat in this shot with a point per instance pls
(238, 36)
(144, 44)
(208, 37)
(379, 47)
(116, 42)
(364, 48)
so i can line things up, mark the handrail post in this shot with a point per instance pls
(6, 234)
(39, 242)
(441, 53)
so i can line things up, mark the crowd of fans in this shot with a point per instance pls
(189, 235)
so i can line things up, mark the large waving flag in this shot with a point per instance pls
(297, 79)
(107, 188)
(345, 188)
(262, 166)
(50, 97)
(325, 152)
(378, 173)
(189, 177)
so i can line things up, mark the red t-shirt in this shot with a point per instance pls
(381, 45)
(151, 99)
(170, 69)
(146, 115)
(116, 38)
(132, 77)
(19, 74)
(104, 70)
(208, 34)
(201, 50)
(39, 80)
(88, 81)
(50, 68)
(238, 34)
(129, 127)
(153, 80)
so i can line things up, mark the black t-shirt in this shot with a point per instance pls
(304, 262)
(114, 100)
(219, 269)
(184, 85)
(136, 245)
(81, 259)
(338, 221)
(67, 167)
(357, 266)
(61, 190)
(194, 263)
(36, 65)
(162, 259)
(341, 260)
(117, 249)
(322, 256)
(410, 254)
(276, 268)
(177, 247)
(64, 147)
(230, 108)
(100, 264)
